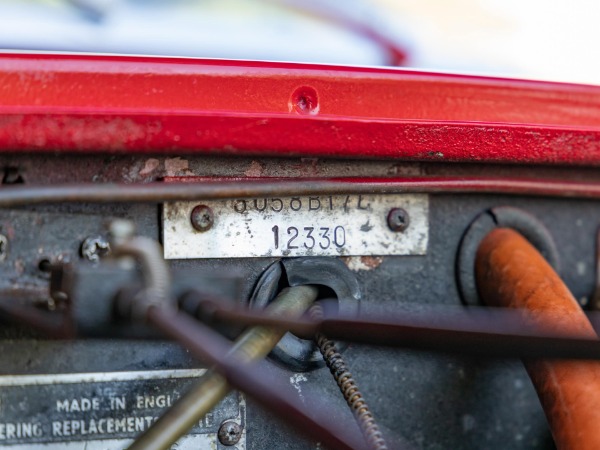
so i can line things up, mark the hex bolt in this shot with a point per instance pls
(230, 432)
(3, 247)
(94, 247)
(398, 219)
(202, 218)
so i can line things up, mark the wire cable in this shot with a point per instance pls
(345, 381)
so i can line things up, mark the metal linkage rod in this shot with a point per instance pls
(253, 344)
(214, 190)
(254, 379)
(495, 333)
(17, 306)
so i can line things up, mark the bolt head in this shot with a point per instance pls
(398, 219)
(230, 432)
(202, 218)
(94, 247)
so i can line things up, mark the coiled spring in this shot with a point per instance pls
(343, 377)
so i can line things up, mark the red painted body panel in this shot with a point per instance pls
(143, 104)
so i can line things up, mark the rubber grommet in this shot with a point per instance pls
(501, 217)
(299, 354)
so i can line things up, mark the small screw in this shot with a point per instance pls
(3, 247)
(94, 247)
(398, 219)
(202, 218)
(230, 432)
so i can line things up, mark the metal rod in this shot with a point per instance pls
(53, 325)
(17, 305)
(510, 272)
(175, 191)
(254, 344)
(495, 333)
(255, 380)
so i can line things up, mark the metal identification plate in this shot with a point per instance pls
(103, 411)
(328, 225)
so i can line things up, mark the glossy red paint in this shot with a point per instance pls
(141, 104)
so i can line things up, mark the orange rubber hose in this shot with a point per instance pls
(510, 272)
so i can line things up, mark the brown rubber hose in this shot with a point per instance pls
(511, 272)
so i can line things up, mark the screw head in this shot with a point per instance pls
(202, 218)
(94, 247)
(305, 100)
(230, 432)
(398, 219)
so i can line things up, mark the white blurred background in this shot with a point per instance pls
(550, 40)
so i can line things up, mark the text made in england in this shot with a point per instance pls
(114, 402)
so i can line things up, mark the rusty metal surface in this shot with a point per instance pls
(454, 402)
(57, 169)
(511, 273)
